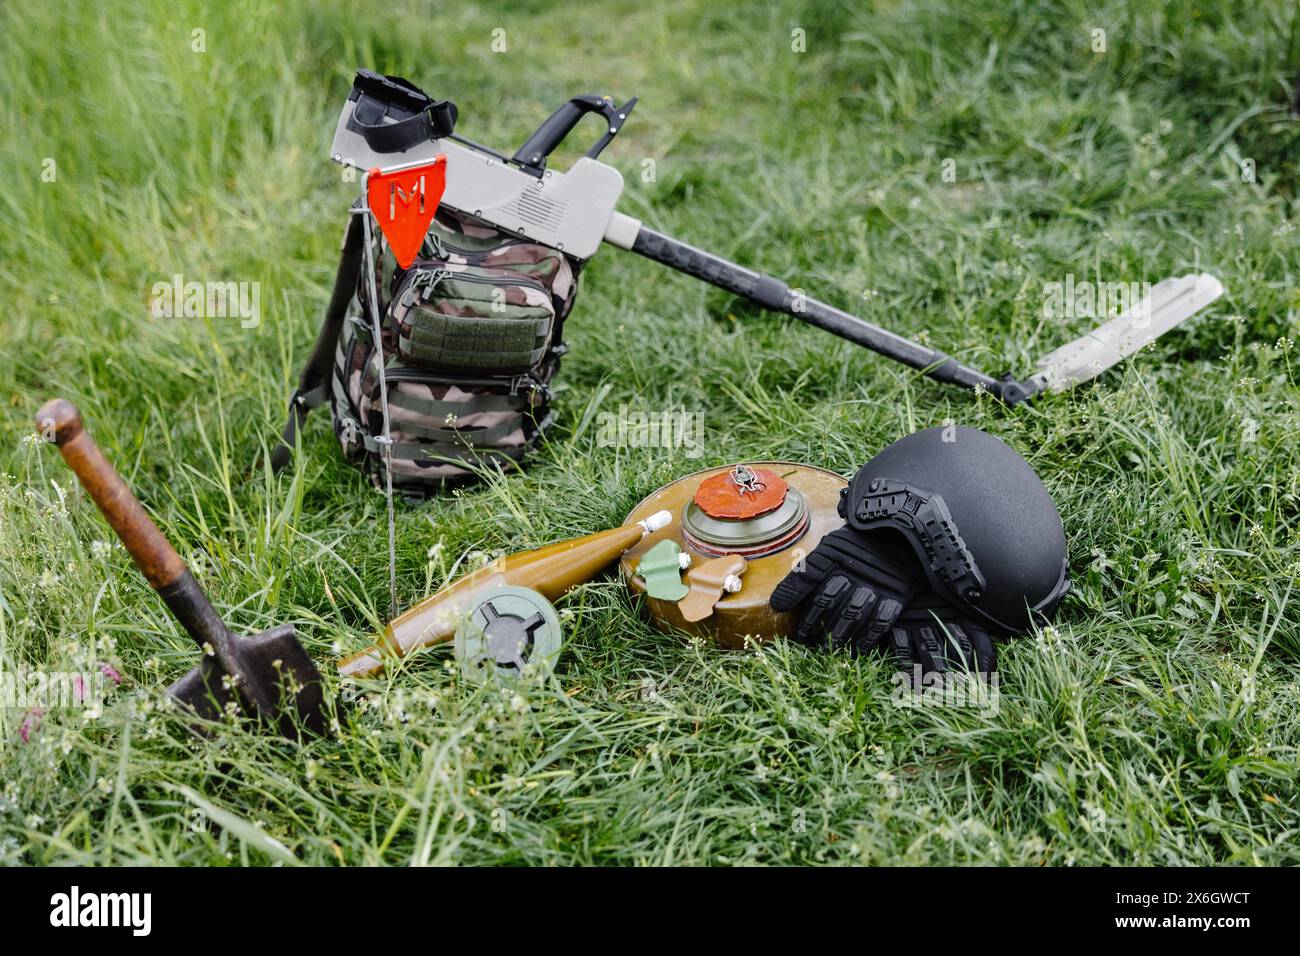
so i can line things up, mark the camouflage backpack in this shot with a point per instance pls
(471, 342)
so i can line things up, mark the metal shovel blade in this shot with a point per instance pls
(276, 680)
(1171, 302)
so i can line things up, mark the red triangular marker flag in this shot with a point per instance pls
(404, 202)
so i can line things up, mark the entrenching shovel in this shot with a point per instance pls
(259, 673)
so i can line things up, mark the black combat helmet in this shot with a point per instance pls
(979, 519)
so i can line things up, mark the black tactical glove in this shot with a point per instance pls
(937, 636)
(850, 589)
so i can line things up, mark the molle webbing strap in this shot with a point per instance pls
(471, 317)
(455, 445)
(474, 405)
(474, 342)
(438, 454)
(516, 400)
(468, 435)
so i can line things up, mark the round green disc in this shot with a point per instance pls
(508, 632)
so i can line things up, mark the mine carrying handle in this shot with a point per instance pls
(531, 156)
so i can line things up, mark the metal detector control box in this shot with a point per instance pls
(569, 211)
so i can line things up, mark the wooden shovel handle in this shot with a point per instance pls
(60, 422)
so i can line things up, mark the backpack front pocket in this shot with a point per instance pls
(471, 318)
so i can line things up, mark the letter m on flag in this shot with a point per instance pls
(403, 203)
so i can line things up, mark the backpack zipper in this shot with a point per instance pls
(516, 383)
(431, 277)
(441, 245)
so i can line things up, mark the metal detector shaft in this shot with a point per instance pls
(575, 211)
(773, 294)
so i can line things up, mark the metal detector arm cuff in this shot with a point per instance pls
(393, 114)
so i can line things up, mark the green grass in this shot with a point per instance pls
(1156, 723)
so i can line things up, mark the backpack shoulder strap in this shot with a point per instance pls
(313, 386)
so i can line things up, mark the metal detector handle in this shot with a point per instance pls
(532, 155)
